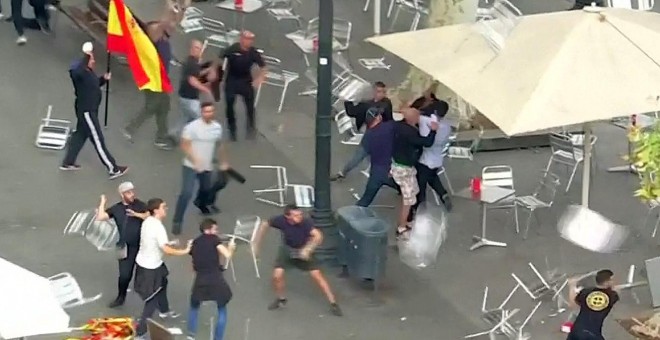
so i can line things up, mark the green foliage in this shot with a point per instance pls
(646, 160)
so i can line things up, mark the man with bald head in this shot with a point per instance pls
(239, 60)
(191, 87)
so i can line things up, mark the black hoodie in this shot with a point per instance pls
(87, 86)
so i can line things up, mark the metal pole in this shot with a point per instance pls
(322, 214)
(377, 16)
(586, 171)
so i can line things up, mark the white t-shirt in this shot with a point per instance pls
(433, 156)
(152, 240)
(203, 138)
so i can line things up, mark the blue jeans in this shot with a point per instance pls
(191, 109)
(358, 156)
(193, 315)
(187, 189)
(377, 178)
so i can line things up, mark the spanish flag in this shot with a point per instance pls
(126, 37)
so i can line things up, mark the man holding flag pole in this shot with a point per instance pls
(157, 103)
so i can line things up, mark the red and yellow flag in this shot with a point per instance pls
(126, 37)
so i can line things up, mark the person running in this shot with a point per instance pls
(595, 305)
(299, 241)
(40, 22)
(128, 215)
(191, 87)
(87, 87)
(200, 140)
(151, 272)
(209, 284)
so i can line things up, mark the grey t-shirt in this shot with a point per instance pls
(203, 137)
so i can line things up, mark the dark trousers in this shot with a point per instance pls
(426, 176)
(88, 127)
(157, 302)
(245, 90)
(156, 104)
(583, 335)
(377, 178)
(205, 196)
(126, 270)
(40, 13)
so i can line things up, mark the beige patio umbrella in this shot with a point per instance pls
(555, 69)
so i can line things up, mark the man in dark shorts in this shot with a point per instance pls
(299, 240)
(595, 304)
(209, 284)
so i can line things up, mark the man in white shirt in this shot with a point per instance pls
(431, 160)
(199, 141)
(151, 273)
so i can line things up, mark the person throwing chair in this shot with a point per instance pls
(299, 240)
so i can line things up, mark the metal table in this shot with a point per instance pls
(488, 195)
(249, 6)
(644, 122)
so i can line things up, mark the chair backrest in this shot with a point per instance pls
(561, 142)
(497, 176)
(303, 195)
(274, 74)
(620, 3)
(503, 18)
(212, 26)
(192, 13)
(547, 188)
(352, 88)
(312, 29)
(474, 146)
(79, 222)
(344, 123)
(247, 227)
(103, 235)
(66, 290)
(341, 31)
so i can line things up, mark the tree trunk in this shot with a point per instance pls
(442, 13)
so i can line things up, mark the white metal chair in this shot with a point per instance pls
(53, 134)
(68, 292)
(217, 34)
(542, 198)
(416, 7)
(341, 32)
(495, 27)
(500, 176)
(545, 287)
(374, 63)
(276, 76)
(461, 152)
(246, 230)
(192, 20)
(284, 10)
(103, 235)
(484, 12)
(642, 5)
(309, 32)
(443, 172)
(303, 194)
(564, 153)
(346, 127)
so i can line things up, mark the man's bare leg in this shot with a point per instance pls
(278, 287)
(322, 283)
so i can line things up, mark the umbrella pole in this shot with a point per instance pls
(377, 16)
(586, 166)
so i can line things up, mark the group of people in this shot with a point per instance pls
(405, 155)
(143, 244)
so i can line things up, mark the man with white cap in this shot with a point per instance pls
(128, 215)
(87, 87)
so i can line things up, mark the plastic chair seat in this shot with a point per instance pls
(297, 35)
(532, 202)
(579, 155)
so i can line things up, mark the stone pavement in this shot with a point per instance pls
(440, 302)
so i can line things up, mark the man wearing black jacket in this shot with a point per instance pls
(380, 101)
(407, 149)
(87, 87)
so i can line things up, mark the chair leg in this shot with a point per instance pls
(648, 215)
(570, 179)
(256, 97)
(390, 8)
(529, 221)
(415, 22)
(256, 263)
(437, 198)
(366, 6)
(515, 216)
(279, 108)
(233, 271)
(396, 16)
(655, 229)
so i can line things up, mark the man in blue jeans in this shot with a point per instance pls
(209, 284)
(379, 140)
(199, 141)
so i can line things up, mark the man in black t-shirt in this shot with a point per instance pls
(239, 59)
(299, 240)
(128, 215)
(191, 87)
(209, 284)
(595, 304)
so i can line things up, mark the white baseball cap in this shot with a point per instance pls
(87, 47)
(125, 186)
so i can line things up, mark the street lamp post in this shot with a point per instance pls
(322, 214)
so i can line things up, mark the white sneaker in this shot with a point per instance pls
(21, 40)
(2, 16)
(169, 315)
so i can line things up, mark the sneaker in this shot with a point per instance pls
(176, 229)
(45, 27)
(446, 199)
(163, 145)
(2, 16)
(169, 315)
(118, 302)
(72, 167)
(21, 40)
(335, 310)
(204, 210)
(121, 170)
(127, 135)
(214, 209)
(277, 304)
(190, 337)
(9, 18)
(337, 177)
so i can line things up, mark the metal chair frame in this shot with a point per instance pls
(565, 153)
(276, 76)
(500, 176)
(216, 34)
(417, 7)
(497, 23)
(544, 288)
(461, 152)
(346, 126)
(192, 20)
(303, 194)
(53, 134)
(68, 292)
(542, 198)
(249, 240)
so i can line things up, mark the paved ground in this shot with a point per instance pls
(441, 302)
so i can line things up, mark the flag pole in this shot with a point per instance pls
(107, 92)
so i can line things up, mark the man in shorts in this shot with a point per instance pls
(408, 145)
(299, 240)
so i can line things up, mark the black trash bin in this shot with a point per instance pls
(363, 243)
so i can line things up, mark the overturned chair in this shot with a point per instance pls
(303, 194)
(545, 288)
(101, 234)
(53, 134)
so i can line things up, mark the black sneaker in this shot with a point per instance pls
(215, 209)
(118, 302)
(72, 167)
(45, 27)
(277, 304)
(336, 177)
(121, 171)
(446, 200)
(335, 310)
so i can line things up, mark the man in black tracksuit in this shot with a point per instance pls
(87, 86)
